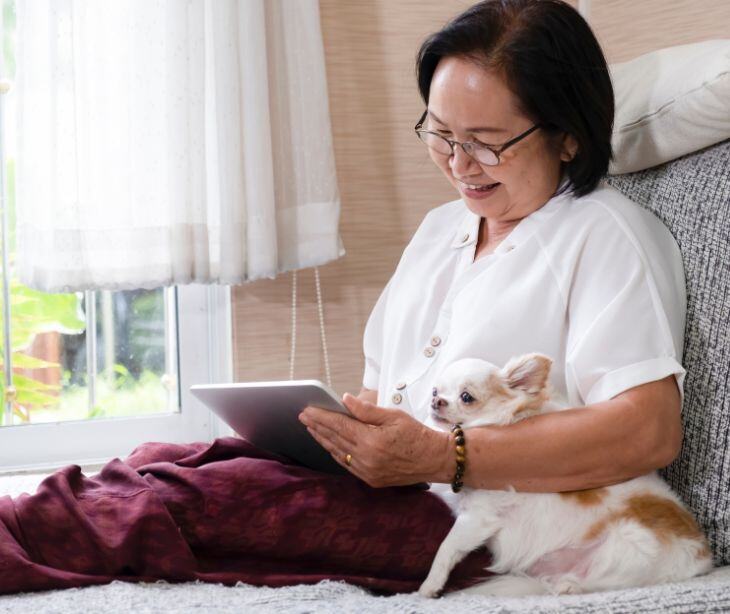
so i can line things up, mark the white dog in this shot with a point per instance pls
(634, 533)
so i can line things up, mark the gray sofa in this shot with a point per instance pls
(692, 197)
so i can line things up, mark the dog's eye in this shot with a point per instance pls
(433, 392)
(466, 397)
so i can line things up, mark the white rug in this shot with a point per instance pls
(710, 593)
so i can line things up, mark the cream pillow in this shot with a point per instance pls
(669, 103)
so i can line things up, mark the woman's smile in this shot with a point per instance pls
(481, 192)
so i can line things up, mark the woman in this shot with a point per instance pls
(535, 255)
(522, 263)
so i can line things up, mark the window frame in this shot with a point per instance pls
(204, 355)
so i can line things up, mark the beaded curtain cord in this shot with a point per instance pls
(323, 338)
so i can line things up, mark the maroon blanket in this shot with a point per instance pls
(221, 512)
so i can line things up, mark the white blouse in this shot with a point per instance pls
(596, 283)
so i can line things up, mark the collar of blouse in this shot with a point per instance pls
(468, 228)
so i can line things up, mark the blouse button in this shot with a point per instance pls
(465, 238)
(397, 398)
(435, 340)
(400, 385)
(429, 352)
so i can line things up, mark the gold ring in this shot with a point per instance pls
(348, 459)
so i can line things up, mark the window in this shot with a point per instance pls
(88, 375)
(90, 355)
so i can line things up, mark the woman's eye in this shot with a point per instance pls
(466, 397)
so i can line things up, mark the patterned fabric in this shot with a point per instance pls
(222, 512)
(691, 196)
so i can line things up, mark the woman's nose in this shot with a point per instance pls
(461, 163)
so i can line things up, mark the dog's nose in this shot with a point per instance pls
(438, 402)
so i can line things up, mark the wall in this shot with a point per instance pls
(627, 28)
(387, 182)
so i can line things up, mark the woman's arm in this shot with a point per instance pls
(604, 443)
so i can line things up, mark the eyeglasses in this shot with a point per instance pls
(483, 154)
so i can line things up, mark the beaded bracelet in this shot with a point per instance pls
(456, 484)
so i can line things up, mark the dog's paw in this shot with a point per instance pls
(567, 587)
(430, 588)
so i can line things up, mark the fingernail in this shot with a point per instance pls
(303, 418)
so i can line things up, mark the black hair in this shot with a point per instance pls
(550, 60)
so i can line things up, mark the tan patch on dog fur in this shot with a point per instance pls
(704, 552)
(587, 497)
(663, 516)
(497, 388)
(532, 404)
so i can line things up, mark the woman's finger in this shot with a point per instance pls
(338, 454)
(365, 411)
(327, 422)
(333, 437)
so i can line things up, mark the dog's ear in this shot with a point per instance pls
(528, 372)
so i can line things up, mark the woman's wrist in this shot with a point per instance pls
(444, 466)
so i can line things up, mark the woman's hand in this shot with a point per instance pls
(388, 446)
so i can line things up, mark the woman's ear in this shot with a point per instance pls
(568, 147)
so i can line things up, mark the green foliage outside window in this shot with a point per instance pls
(32, 313)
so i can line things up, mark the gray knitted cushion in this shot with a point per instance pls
(691, 195)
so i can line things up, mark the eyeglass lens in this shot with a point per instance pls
(440, 145)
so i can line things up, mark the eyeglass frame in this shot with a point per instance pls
(453, 143)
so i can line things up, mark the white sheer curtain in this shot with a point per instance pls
(171, 141)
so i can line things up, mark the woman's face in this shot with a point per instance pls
(468, 102)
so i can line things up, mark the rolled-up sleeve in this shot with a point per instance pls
(372, 342)
(620, 335)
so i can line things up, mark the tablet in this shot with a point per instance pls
(266, 414)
